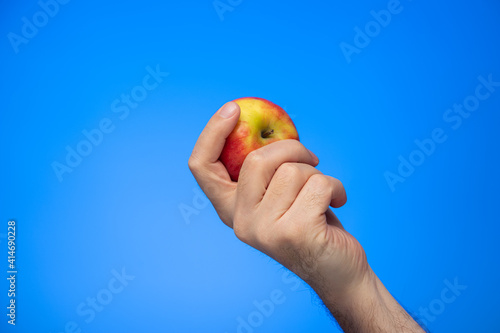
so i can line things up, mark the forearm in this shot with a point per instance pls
(369, 308)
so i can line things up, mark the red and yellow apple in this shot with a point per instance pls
(261, 122)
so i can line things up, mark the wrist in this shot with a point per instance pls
(367, 306)
(352, 297)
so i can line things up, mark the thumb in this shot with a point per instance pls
(211, 141)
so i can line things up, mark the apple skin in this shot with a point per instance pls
(261, 122)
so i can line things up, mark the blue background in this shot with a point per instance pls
(121, 207)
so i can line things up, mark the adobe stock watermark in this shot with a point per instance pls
(223, 6)
(373, 28)
(448, 295)
(95, 304)
(453, 116)
(198, 203)
(261, 311)
(121, 107)
(30, 26)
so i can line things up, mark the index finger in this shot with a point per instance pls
(261, 164)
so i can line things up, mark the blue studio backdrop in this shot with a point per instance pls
(102, 103)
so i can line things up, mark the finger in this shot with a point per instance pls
(261, 164)
(210, 173)
(284, 187)
(209, 145)
(318, 194)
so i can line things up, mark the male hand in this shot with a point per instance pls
(281, 206)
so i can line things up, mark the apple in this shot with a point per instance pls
(261, 122)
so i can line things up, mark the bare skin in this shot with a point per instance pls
(281, 206)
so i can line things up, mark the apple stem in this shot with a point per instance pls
(267, 133)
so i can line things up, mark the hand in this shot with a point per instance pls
(280, 206)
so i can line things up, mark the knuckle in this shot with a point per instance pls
(288, 170)
(254, 163)
(336, 182)
(285, 173)
(240, 234)
(193, 164)
(255, 157)
(319, 184)
(319, 188)
(240, 229)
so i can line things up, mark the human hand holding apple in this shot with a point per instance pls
(261, 122)
(280, 205)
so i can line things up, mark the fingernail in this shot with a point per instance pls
(228, 110)
(314, 155)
